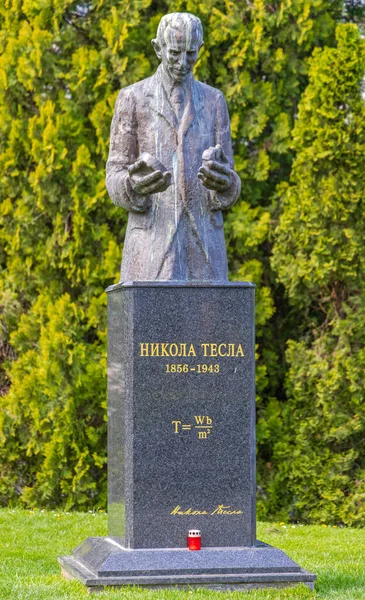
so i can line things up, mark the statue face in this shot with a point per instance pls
(180, 53)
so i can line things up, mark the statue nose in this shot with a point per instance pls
(183, 60)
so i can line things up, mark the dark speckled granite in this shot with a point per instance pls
(152, 469)
(104, 561)
(163, 469)
(108, 558)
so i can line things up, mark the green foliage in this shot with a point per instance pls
(319, 257)
(62, 63)
(52, 379)
(60, 69)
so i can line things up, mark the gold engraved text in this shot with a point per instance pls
(203, 426)
(185, 368)
(226, 510)
(189, 511)
(221, 509)
(207, 349)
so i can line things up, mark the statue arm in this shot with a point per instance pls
(223, 200)
(123, 153)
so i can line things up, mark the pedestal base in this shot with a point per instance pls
(100, 562)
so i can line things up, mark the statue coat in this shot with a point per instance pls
(179, 236)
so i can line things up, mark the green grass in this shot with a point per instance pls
(31, 541)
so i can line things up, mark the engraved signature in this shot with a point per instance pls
(221, 509)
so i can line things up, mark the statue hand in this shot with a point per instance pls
(215, 172)
(148, 176)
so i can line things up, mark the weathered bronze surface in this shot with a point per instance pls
(171, 166)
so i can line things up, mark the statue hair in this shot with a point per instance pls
(178, 21)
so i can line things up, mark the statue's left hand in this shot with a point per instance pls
(215, 172)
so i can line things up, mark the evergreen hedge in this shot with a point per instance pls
(62, 64)
(320, 258)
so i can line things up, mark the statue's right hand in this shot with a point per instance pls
(147, 183)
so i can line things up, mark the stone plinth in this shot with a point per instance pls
(181, 412)
(181, 450)
(100, 562)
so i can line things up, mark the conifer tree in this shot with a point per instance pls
(319, 256)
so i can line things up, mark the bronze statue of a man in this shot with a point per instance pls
(170, 165)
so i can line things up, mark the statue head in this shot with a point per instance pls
(179, 39)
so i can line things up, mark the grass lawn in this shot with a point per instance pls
(31, 541)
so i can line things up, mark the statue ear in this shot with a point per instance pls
(157, 48)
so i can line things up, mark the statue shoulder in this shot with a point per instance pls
(135, 91)
(211, 95)
(209, 92)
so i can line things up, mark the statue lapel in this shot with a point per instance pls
(160, 102)
(193, 108)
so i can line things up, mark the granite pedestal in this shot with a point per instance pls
(181, 443)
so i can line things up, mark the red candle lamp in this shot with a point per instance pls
(194, 539)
